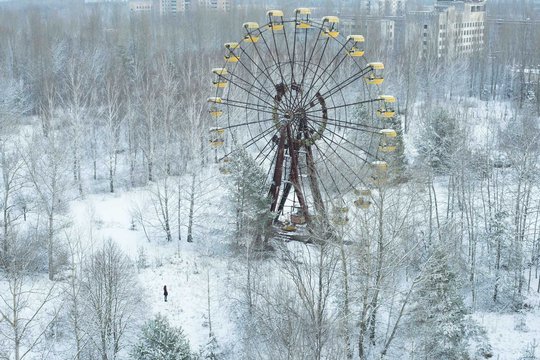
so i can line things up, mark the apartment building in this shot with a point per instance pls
(391, 7)
(141, 5)
(223, 5)
(180, 6)
(450, 29)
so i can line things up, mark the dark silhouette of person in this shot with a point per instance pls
(165, 292)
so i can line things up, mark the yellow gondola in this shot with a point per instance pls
(216, 137)
(387, 109)
(375, 77)
(214, 109)
(276, 20)
(364, 198)
(251, 27)
(219, 81)
(330, 26)
(302, 18)
(356, 49)
(220, 71)
(340, 215)
(214, 100)
(379, 170)
(231, 57)
(225, 166)
(379, 166)
(388, 140)
(215, 112)
(288, 227)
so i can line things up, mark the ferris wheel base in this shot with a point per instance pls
(284, 232)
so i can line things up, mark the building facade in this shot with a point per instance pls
(180, 6)
(141, 5)
(449, 30)
(391, 7)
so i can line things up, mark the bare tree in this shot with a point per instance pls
(26, 305)
(163, 202)
(45, 165)
(80, 77)
(113, 114)
(111, 298)
(11, 165)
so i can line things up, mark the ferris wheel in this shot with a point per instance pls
(304, 102)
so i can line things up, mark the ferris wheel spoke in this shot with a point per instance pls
(247, 123)
(336, 170)
(330, 75)
(262, 61)
(344, 162)
(313, 81)
(304, 57)
(347, 82)
(316, 68)
(249, 142)
(276, 62)
(350, 143)
(262, 88)
(304, 65)
(289, 51)
(352, 125)
(294, 49)
(345, 125)
(251, 93)
(254, 140)
(244, 105)
(330, 174)
(313, 104)
(270, 151)
(317, 178)
(265, 71)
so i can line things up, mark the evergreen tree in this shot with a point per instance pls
(161, 341)
(211, 351)
(250, 196)
(438, 317)
(440, 139)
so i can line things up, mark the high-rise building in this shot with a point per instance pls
(449, 30)
(169, 6)
(223, 5)
(391, 7)
(140, 5)
(177, 6)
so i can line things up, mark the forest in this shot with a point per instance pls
(113, 187)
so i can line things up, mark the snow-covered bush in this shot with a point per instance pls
(161, 341)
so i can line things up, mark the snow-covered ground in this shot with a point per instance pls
(195, 273)
(511, 334)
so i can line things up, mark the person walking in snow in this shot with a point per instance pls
(165, 292)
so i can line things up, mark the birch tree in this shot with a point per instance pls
(111, 297)
(26, 306)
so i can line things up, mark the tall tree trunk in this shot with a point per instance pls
(191, 209)
(346, 310)
(378, 271)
